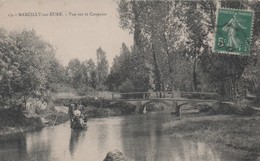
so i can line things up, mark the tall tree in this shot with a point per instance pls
(102, 66)
(92, 73)
(74, 71)
(26, 61)
(178, 35)
(120, 69)
(127, 67)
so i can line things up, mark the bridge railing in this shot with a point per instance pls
(131, 95)
(169, 94)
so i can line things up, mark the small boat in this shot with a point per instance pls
(79, 121)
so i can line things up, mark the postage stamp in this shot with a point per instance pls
(233, 31)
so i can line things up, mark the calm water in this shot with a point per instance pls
(139, 136)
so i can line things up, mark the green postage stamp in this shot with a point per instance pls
(233, 31)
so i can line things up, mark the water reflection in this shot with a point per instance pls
(75, 136)
(144, 140)
(140, 137)
(12, 146)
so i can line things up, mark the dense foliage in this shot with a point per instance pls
(28, 67)
(172, 50)
(173, 43)
(88, 75)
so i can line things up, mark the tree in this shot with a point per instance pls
(120, 70)
(127, 86)
(74, 71)
(174, 41)
(131, 14)
(224, 72)
(26, 60)
(129, 66)
(56, 75)
(155, 42)
(140, 73)
(102, 66)
(92, 73)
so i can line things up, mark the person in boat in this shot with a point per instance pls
(71, 109)
(80, 108)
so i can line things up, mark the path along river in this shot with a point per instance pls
(140, 137)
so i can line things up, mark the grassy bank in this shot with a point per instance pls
(236, 132)
(55, 118)
(99, 107)
(13, 121)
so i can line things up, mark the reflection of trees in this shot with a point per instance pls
(39, 145)
(102, 136)
(74, 139)
(144, 140)
(17, 146)
(25, 147)
(139, 135)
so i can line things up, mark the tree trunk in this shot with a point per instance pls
(195, 82)
(169, 61)
(156, 72)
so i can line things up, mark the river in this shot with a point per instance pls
(140, 137)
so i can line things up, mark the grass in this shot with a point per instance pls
(236, 132)
(56, 118)
(13, 121)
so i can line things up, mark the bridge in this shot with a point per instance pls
(175, 99)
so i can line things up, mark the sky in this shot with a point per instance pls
(72, 36)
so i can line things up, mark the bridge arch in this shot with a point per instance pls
(140, 104)
(165, 102)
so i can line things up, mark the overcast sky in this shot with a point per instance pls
(72, 36)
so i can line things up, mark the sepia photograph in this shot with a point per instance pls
(130, 80)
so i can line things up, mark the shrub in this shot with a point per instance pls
(244, 108)
(83, 91)
(156, 106)
(14, 117)
(229, 108)
(222, 108)
(127, 86)
(96, 102)
(123, 107)
(204, 108)
(101, 88)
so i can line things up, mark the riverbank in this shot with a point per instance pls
(99, 107)
(235, 132)
(13, 122)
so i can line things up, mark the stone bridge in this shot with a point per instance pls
(141, 99)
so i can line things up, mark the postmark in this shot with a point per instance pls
(233, 31)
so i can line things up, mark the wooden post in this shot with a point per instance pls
(112, 96)
(143, 95)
